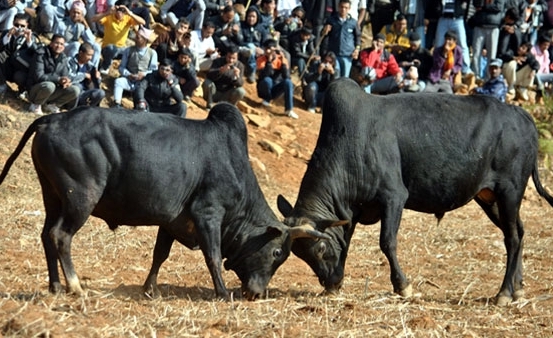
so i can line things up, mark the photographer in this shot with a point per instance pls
(389, 76)
(416, 57)
(321, 74)
(17, 48)
(225, 80)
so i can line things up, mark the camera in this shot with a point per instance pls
(407, 82)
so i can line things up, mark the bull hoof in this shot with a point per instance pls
(406, 292)
(151, 291)
(519, 294)
(503, 300)
(55, 288)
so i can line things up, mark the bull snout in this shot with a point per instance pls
(254, 289)
(332, 283)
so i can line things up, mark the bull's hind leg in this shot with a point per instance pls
(53, 218)
(162, 248)
(513, 230)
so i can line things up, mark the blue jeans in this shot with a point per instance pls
(458, 26)
(312, 96)
(109, 52)
(268, 90)
(345, 65)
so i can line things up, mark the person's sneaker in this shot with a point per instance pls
(186, 98)
(52, 108)
(312, 110)
(23, 96)
(35, 109)
(104, 71)
(117, 106)
(290, 113)
(523, 93)
(266, 103)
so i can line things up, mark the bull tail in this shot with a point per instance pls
(26, 136)
(541, 190)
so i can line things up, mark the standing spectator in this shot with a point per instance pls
(8, 10)
(495, 86)
(382, 13)
(520, 70)
(202, 46)
(274, 78)
(185, 71)
(388, 73)
(117, 23)
(155, 91)
(82, 72)
(510, 36)
(49, 81)
(344, 37)
(137, 62)
(224, 80)
(168, 44)
(302, 48)
(532, 19)
(50, 11)
(193, 10)
(74, 28)
(452, 19)
(416, 56)
(320, 75)
(448, 62)
(486, 21)
(414, 11)
(251, 37)
(397, 35)
(17, 48)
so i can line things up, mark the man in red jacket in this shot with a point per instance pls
(389, 75)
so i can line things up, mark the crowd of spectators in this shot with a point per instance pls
(417, 46)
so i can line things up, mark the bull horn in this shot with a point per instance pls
(307, 231)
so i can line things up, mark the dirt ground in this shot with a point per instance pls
(456, 268)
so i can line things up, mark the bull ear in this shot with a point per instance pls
(307, 231)
(284, 206)
(330, 223)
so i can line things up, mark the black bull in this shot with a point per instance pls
(433, 153)
(192, 178)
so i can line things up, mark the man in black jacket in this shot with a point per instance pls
(49, 80)
(155, 91)
(225, 79)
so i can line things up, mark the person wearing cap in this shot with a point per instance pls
(74, 28)
(344, 37)
(117, 23)
(321, 73)
(495, 86)
(137, 62)
(185, 71)
(397, 35)
(156, 91)
(302, 48)
(447, 62)
(416, 56)
(388, 73)
(274, 78)
(224, 80)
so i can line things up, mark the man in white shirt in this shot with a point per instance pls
(202, 46)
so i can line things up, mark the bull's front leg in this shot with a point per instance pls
(162, 248)
(388, 245)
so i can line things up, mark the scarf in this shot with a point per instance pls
(449, 60)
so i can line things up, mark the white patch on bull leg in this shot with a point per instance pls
(503, 300)
(518, 295)
(74, 286)
(407, 292)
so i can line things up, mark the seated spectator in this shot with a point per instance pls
(224, 80)
(117, 23)
(137, 62)
(397, 35)
(321, 74)
(155, 92)
(416, 56)
(50, 11)
(203, 46)
(388, 73)
(17, 49)
(447, 62)
(185, 71)
(8, 10)
(193, 10)
(74, 28)
(520, 70)
(82, 72)
(49, 83)
(495, 86)
(227, 29)
(274, 78)
(302, 48)
(168, 44)
(541, 52)
(251, 37)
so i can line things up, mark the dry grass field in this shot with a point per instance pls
(456, 268)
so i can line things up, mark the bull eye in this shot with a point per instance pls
(277, 253)
(321, 248)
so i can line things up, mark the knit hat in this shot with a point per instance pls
(79, 5)
(414, 36)
(496, 63)
(145, 32)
